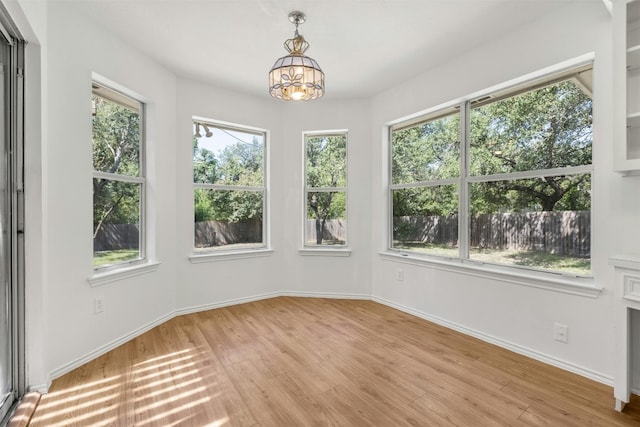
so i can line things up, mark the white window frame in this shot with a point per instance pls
(557, 281)
(223, 253)
(104, 274)
(324, 250)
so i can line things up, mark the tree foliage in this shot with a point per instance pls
(427, 152)
(238, 164)
(546, 128)
(326, 168)
(116, 150)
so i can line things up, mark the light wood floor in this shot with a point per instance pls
(316, 362)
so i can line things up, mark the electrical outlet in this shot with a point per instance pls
(400, 275)
(98, 305)
(560, 332)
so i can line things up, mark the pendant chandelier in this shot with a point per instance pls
(296, 77)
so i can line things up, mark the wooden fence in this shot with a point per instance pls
(207, 233)
(116, 236)
(334, 231)
(218, 233)
(562, 233)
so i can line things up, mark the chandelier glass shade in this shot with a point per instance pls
(296, 77)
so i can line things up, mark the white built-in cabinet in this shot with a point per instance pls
(626, 86)
(627, 294)
(626, 161)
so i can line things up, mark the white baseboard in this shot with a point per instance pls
(451, 325)
(559, 363)
(40, 388)
(326, 295)
(226, 303)
(68, 367)
(76, 363)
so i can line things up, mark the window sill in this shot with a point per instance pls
(341, 252)
(102, 278)
(224, 256)
(583, 286)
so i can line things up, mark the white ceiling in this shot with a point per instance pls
(363, 46)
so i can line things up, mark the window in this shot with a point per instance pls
(503, 179)
(118, 178)
(325, 189)
(229, 187)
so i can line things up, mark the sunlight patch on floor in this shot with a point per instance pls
(159, 365)
(172, 399)
(176, 410)
(164, 356)
(100, 414)
(54, 399)
(171, 381)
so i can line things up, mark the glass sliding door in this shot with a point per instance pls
(11, 216)
(6, 383)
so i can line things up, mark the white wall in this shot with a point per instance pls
(518, 316)
(215, 283)
(74, 50)
(221, 282)
(325, 275)
(66, 330)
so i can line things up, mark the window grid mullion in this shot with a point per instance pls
(117, 177)
(206, 186)
(326, 189)
(436, 183)
(463, 191)
(541, 173)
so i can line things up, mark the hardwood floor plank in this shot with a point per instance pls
(25, 410)
(320, 362)
(352, 410)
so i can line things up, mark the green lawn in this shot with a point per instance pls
(103, 258)
(428, 248)
(532, 259)
(535, 259)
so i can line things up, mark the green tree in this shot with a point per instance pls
(546, 128)
(116, 150)
(326, 168)
(426, 152)
(239, 164)
(205, 165)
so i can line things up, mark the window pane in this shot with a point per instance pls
(326, 218)
(326, 161)
(116, 137)
(228, 157)
(427, 151)
(542, 223)
(425, 220)
(228, 218)
(116, 222)
(546, 128)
